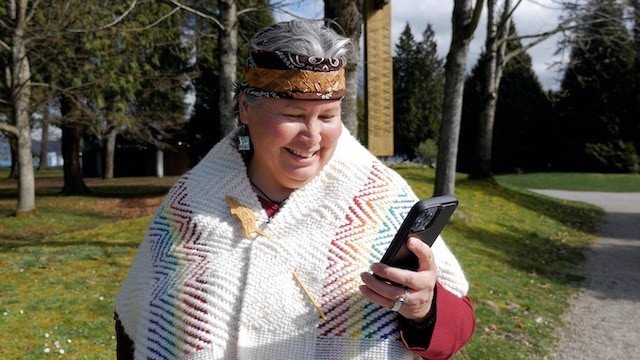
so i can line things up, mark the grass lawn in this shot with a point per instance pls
(62, 267)
(573, 181)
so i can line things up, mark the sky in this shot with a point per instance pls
(531, 17)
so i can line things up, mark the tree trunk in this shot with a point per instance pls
(13, 144)
(228, 43)
(110, 153)
(465, 19)
(73, 180)
(21, 96)
(495, 44)
(44, 142)
(348, 14)
(26, 177)
(71, 137)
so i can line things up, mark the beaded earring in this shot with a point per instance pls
(244, 141)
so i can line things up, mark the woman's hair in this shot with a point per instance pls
(301, 37)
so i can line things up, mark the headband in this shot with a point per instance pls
(279, 74)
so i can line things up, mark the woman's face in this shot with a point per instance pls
(292, 139)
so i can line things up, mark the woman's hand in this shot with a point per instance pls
(418, 285)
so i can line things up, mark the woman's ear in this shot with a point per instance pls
(242, 108)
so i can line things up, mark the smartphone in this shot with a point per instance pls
(425, 220)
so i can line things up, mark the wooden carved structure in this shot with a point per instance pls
(378, 65)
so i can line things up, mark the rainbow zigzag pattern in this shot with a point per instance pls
(374, 211)
(175, 324)
(180, 319)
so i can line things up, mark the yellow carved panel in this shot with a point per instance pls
(379, 78)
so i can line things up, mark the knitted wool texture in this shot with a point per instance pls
(199, 289)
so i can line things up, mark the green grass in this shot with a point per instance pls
(61, 268)
(573, 181)
(519, 251)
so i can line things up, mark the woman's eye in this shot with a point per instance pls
(327, 117)
(293, 116)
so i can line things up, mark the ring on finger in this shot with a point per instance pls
(400, 301)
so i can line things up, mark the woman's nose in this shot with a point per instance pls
(312, 130)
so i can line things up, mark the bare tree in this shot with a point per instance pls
(499, 19)
(16, 20)
(465, 19)
(228, 42)
(19, 82)
(495, 55)
(226, 18)
(499, 34)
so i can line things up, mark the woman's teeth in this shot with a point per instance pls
(301, 154)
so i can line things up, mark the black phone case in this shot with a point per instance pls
(425, 220)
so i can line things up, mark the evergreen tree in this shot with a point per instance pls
(149, 106)
(418, 76)
(403, 72)
(523, 115)
(521, 120)
(598, 90)
(109, 76)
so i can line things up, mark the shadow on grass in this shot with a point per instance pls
(11, 245)
(527, 251)
(557, 257)
(105, 188)
(129, 191)
(109, 191)
(579, 216)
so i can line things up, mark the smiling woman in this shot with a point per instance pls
(263, 250)
(293, 141)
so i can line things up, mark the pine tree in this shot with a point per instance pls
(598, 91)
(418, 77)
(521, 118)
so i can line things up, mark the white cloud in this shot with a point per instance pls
(530, 18)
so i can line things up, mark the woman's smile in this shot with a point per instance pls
(293, 139)
(302, 154)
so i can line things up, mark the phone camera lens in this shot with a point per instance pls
(423, 221)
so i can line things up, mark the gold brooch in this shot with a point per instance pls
(247, 218)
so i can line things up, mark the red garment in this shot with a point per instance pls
(454, 319)
(269, 206)
(454, 325)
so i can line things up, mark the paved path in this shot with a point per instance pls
(603, 322)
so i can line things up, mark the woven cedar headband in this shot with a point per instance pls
(280, 74)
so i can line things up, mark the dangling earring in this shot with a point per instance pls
(244, 141)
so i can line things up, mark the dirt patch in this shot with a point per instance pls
(119, 198)
(130, 208)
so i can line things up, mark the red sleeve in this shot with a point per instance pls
(454, 325)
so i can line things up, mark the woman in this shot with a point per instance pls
(266, 249)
